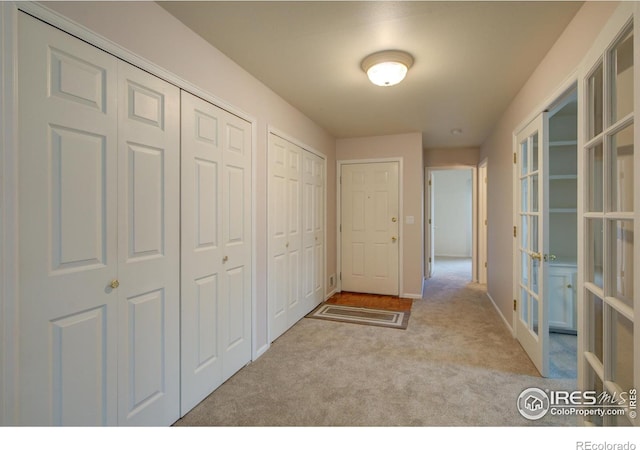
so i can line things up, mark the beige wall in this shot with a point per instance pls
(409, 148)
(451, 157)
(557, 66)
(147, 30)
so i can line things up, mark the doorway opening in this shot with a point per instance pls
(451, 223)
(563, 245)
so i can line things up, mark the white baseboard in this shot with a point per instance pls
(330, 294)
(507, 324)
(416, 296)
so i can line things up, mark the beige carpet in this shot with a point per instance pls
(455, 365)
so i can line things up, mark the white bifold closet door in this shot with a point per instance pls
(216, 247)
(99, 236)
(296, 233)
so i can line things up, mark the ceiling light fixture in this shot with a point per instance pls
(388, 67)
(456, 131)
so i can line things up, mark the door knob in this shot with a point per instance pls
(393, 219)
(393, 238)
(114, 284)
(225, 259)
(537, 256)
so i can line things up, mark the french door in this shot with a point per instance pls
(608, 275)
(532, 246)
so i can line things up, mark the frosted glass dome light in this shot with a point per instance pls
(387, 68)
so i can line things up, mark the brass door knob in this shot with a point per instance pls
(393, 238)
(393, 219)
(537, 256)
(225, 259)
(114, 284)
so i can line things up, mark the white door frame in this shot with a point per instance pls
(428, 171)
(550, 102)
(339, 164)
(9, 177)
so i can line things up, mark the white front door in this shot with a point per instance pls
(370, 225)
(532, 327)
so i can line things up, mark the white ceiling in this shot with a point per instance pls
(471, 58)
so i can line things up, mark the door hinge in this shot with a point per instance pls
(429, 259)
(515, 302)
(485, 222)
(429, 182)
(340, 228)
(429, 221)
(515, 231)
(340, 276)
(485, 264)
(515, 158)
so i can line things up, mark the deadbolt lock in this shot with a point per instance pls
(394, 219)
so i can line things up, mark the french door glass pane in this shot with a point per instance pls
(622, 170)
(524, 235)
(524, 157)
(534, 315)
(622, 78)
(524, 192)
(525, 268)
(594, 383)
(595, 102)
(595, 304)
(534, 152)
(596, 174)
(535, 271)
(534, 193)
(524, 308)
(534, 234)
(621, 245)
(595, 261)
(622, 351)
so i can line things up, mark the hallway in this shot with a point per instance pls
(455, 365)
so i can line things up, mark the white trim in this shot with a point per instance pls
(413, 296)
(474, 215)
(339, 164)
(506, 323)
(483, 237)
(8, 214)
(330, 294)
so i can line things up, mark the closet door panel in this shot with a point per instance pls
(67, 221)
(236, 244)
(201, 272)
(149, 240)
(278, 226)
